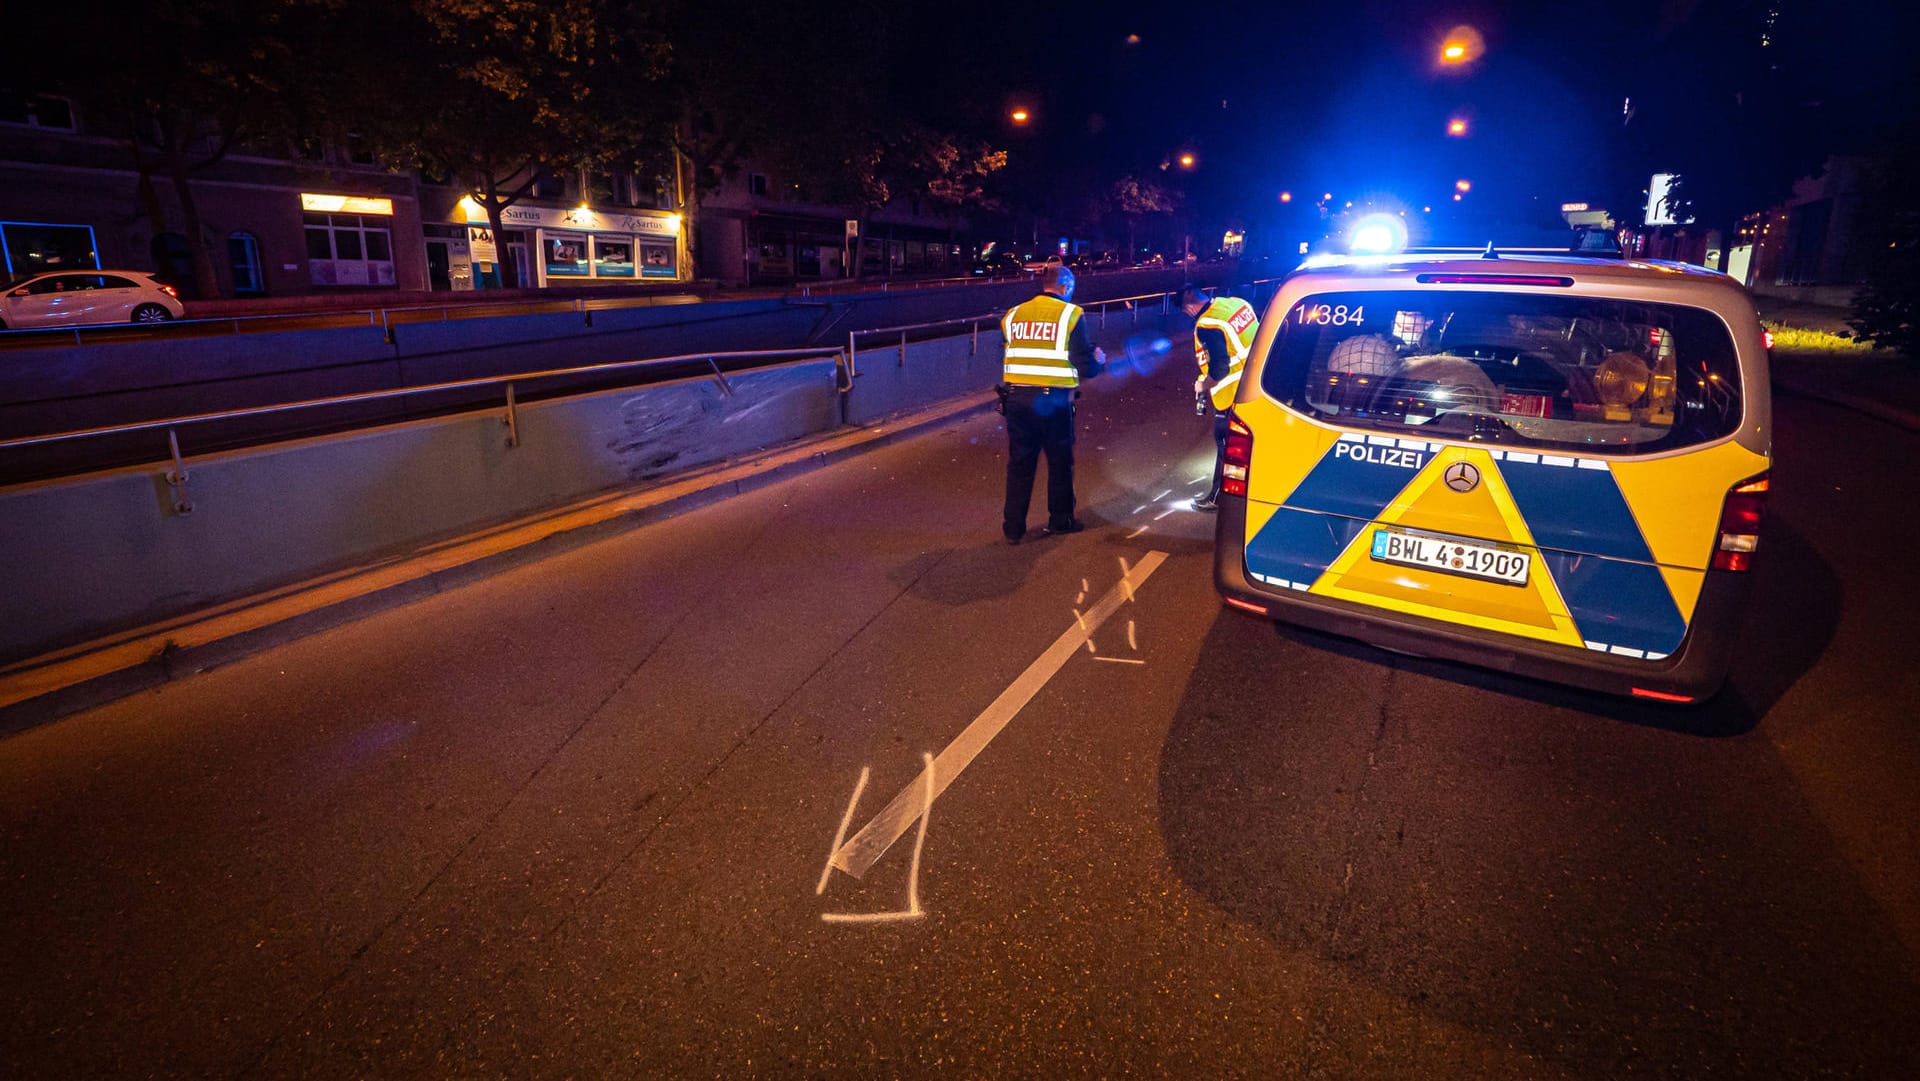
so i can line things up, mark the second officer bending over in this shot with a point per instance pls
(1047, 354)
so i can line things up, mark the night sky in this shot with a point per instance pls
(1350, 97)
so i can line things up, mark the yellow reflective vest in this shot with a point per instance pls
(1036, 334)
(1235, 319)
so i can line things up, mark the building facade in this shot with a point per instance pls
(325, 220)
(759, 229)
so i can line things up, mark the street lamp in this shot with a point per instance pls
(1462, 185)
(1456, 126)
(1186, 161)
(1462, 45)
(1286, 197)
(1019, 115)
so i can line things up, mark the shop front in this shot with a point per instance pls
(580, 246)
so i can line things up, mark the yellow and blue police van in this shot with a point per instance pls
(1549, 465)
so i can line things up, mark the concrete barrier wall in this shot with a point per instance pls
(101, 553)
(96, 554)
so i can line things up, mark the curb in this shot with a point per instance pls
(43, 689)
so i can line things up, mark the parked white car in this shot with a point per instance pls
(67, 298)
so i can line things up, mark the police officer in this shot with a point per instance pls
(1047, 354)
(1223, 333)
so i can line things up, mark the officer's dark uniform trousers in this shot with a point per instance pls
(1039, 419)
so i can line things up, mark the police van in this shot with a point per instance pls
(1549, 465)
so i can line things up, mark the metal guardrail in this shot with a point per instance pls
(177, 476)
(384, 318)
(847, 358)
(974, 321)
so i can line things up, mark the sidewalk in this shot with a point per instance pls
(1874, 382)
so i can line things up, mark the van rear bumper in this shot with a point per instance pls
(1695, 671)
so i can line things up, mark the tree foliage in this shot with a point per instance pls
(180, 83)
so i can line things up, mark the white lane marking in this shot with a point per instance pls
(913, 910)
(1136, 532)
(873, 840)
(1163, 495)
(1164, 513)
(845, 821)
(1140, 508)
(1120, 660)
(1126, 577)
(1201, 479)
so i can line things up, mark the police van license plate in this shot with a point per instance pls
(1453, 555)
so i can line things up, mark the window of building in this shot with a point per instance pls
(756, 183)
(36, 111)
(243, 257)
(549, 186)
(566, 255)
(658, 261)
(613, 257)
(358, 152)
(31, 247)
(349, 249)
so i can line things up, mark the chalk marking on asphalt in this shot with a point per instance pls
(1201, 479)
(1090, 648)
(1132, 643)
(913, 910)
(1164, 513)
(873, 840)
(1136, 532)
(1139, 508)
(1120, 660)
(1163, 495)
(1126, 576)
(845, 821)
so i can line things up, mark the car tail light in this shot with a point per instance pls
(1661, 696)
(1246, 606)
(1766, 338)
(169, 290)
(1740, 519)
(1239, 456)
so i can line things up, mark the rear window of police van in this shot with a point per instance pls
(1572, 373)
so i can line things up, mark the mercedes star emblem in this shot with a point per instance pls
(1461, 477)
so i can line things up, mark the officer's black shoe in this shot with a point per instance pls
(1072, 525)
(1012, 537)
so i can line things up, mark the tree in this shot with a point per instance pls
(1886, 309)
(181, 83)
(1135, 198)
(518, 89)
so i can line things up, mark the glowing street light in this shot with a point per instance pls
(1462, 185)
(1186, 161)
(1462, 45)
(1456, 126)
(1019, 115)
(1456, 196)
(1286, 197)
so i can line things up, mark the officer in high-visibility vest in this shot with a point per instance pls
(1223, 333)
(1047, 354)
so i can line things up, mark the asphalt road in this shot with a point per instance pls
(572, 821)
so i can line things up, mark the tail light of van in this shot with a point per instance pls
(1740, 519)
(1238, 457)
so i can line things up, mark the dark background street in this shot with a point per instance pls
(568, 821)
